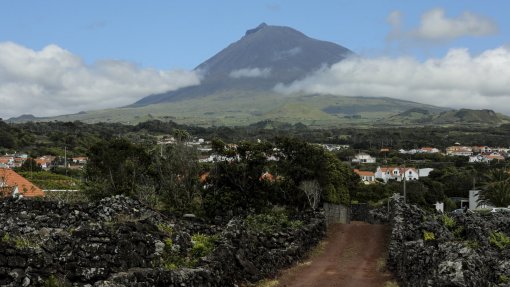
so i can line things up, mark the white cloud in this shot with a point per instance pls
(435, 26)
(251, 73)
(458, 80)
(53, 81)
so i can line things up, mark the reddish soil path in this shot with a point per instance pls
(352, 256)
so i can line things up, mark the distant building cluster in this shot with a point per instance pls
(483, 154)
(397, 173)
(421, 150)
(12, 160)
(335, 147)
(46, 162)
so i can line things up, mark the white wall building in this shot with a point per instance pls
(363, 158)
(396, 173)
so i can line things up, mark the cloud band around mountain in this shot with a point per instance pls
(53, 81)
(457, 80)
(251, 73)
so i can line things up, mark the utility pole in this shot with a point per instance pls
(405, 195)
(65, 158)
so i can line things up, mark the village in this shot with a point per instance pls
(475, 154)
(372, 168)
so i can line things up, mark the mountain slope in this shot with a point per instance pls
(452, 117)
(264, 57)
(228, 108)
(237, 88)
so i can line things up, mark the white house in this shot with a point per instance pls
(478, 158)
(424, 172)
(459, 150)
(367, 177)
(363, 158)
(486, 158)
(429, 150)
(396, 173)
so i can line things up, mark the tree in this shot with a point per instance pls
(496, 188)
(301, 161)
(115, 167)
(312, 190)
(30, 165)
(176, 177)
(235, 184)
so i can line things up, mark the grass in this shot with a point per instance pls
(380, 265)
(20, 241)
(428, 235)
(245, 107)
(265, 283)
(499, 239)
(48, 180)
(272, 221)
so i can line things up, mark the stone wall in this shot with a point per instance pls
(118, 242)
(336, 213)
(428, 250)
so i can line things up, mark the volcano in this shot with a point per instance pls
(264, 57)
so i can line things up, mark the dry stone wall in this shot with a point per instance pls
(454, 250)
(118, 242)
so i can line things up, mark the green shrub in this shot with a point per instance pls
(276, 219)
(203, 245)
(54, 281)
(503, 279)
(165, 228)
(428, 236)
(6, 237)
(169, 243)
(499, 239)
(171, 259)
(473, 244)
(21, 242)
(448, 221)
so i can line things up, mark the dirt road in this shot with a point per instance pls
(352, 255)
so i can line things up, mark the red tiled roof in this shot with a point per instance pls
(267, 176)
(401, 169)
(498, 157)
(10, 179)
(364, 173)
(203, 177)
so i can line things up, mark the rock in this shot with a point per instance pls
(247, 265)
(25, 282)
(117, 242)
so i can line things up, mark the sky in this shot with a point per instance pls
(59, 57)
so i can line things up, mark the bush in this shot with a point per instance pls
(503, 279)
(448, 221)
(203, 245)
(499, 239)
(272, 221)
(428, 235)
